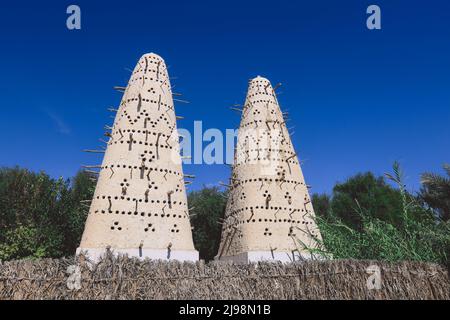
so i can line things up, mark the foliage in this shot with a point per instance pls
(208, 208)
(377, 198)
(435, 192)
(413, 234)
(40, 216)
(364, 218)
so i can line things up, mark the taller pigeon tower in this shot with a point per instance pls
(269, 215)
(140, 205)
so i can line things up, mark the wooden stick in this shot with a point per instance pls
(236, 109)
(119, 88)
(91, 171)
(277, 86)
(182, 101)
(94, 151)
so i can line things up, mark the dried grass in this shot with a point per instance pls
(124, 278)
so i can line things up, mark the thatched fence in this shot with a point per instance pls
(123, 278)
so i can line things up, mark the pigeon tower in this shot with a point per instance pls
(269, 215)
(140, 205)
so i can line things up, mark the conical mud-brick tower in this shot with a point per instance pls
(140, 206)
(269, 215)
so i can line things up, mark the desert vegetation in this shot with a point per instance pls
(365, 217)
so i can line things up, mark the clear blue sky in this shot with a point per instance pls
(359, 99)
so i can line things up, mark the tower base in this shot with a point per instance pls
(268, 256)
(95, 254)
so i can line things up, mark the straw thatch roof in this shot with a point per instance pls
(123, 278)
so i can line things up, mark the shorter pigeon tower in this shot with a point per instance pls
(269, 215)
(140, 205)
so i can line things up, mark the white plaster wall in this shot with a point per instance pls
(131, 206)
(251, 223)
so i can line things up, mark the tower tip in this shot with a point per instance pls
(259, 78)
(152, 55)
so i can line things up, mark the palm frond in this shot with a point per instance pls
(446, 167)
(434, 180)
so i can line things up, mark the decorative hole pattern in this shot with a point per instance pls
(140, 190)
(266, 208)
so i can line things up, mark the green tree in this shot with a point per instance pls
(365, 191)
(208, 209)
(82, 188)
(40, 216)
(321, 204)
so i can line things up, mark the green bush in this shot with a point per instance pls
(208, 209)
(41, 216)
